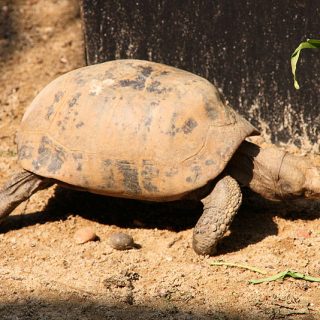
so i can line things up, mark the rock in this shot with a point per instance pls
(84, 235)
(121, 241)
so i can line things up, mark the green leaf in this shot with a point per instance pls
(284, 274)
(237, 265)
(309, 44)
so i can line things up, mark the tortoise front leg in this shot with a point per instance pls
(220, 206)
(18, 188)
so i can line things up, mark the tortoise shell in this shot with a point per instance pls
(130, 128)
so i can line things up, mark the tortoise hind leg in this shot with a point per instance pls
(21, 186)
(220, 206)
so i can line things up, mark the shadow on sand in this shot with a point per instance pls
(82, 308)
(253, 223)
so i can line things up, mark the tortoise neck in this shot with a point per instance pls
(274, 173)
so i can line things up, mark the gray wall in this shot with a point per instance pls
(242, 46)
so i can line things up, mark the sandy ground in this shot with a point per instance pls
(45, 275)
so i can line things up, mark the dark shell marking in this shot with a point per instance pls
(52, 157)
(130, 176)
(108, 175)
(146, 71)
(137, 84)
(189, 125)
(58, 96)
(148, 173)
(173, 130)
(78, 159)
(51, 109)
(209, 162)
(210, 110)
(172, 172)
(50, 112)
(79, 124)
(196, 170)
(25, 152)
(74, 100)
(155, 86)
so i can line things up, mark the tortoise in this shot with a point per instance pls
(143, 130)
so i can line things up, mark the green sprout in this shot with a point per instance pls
(284, 274)
(278, 276)
(309, 44)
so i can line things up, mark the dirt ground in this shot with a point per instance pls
(45, 275)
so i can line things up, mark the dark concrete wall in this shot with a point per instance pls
(243, 47)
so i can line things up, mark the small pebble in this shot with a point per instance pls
(121, 241)
(84, 235)
(63, 60)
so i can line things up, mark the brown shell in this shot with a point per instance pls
(130, 128)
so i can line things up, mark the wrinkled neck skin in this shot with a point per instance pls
(274, 173)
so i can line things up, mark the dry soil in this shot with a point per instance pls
(45, 274)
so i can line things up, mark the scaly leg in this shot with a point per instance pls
(220, 206)
(21, 186)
